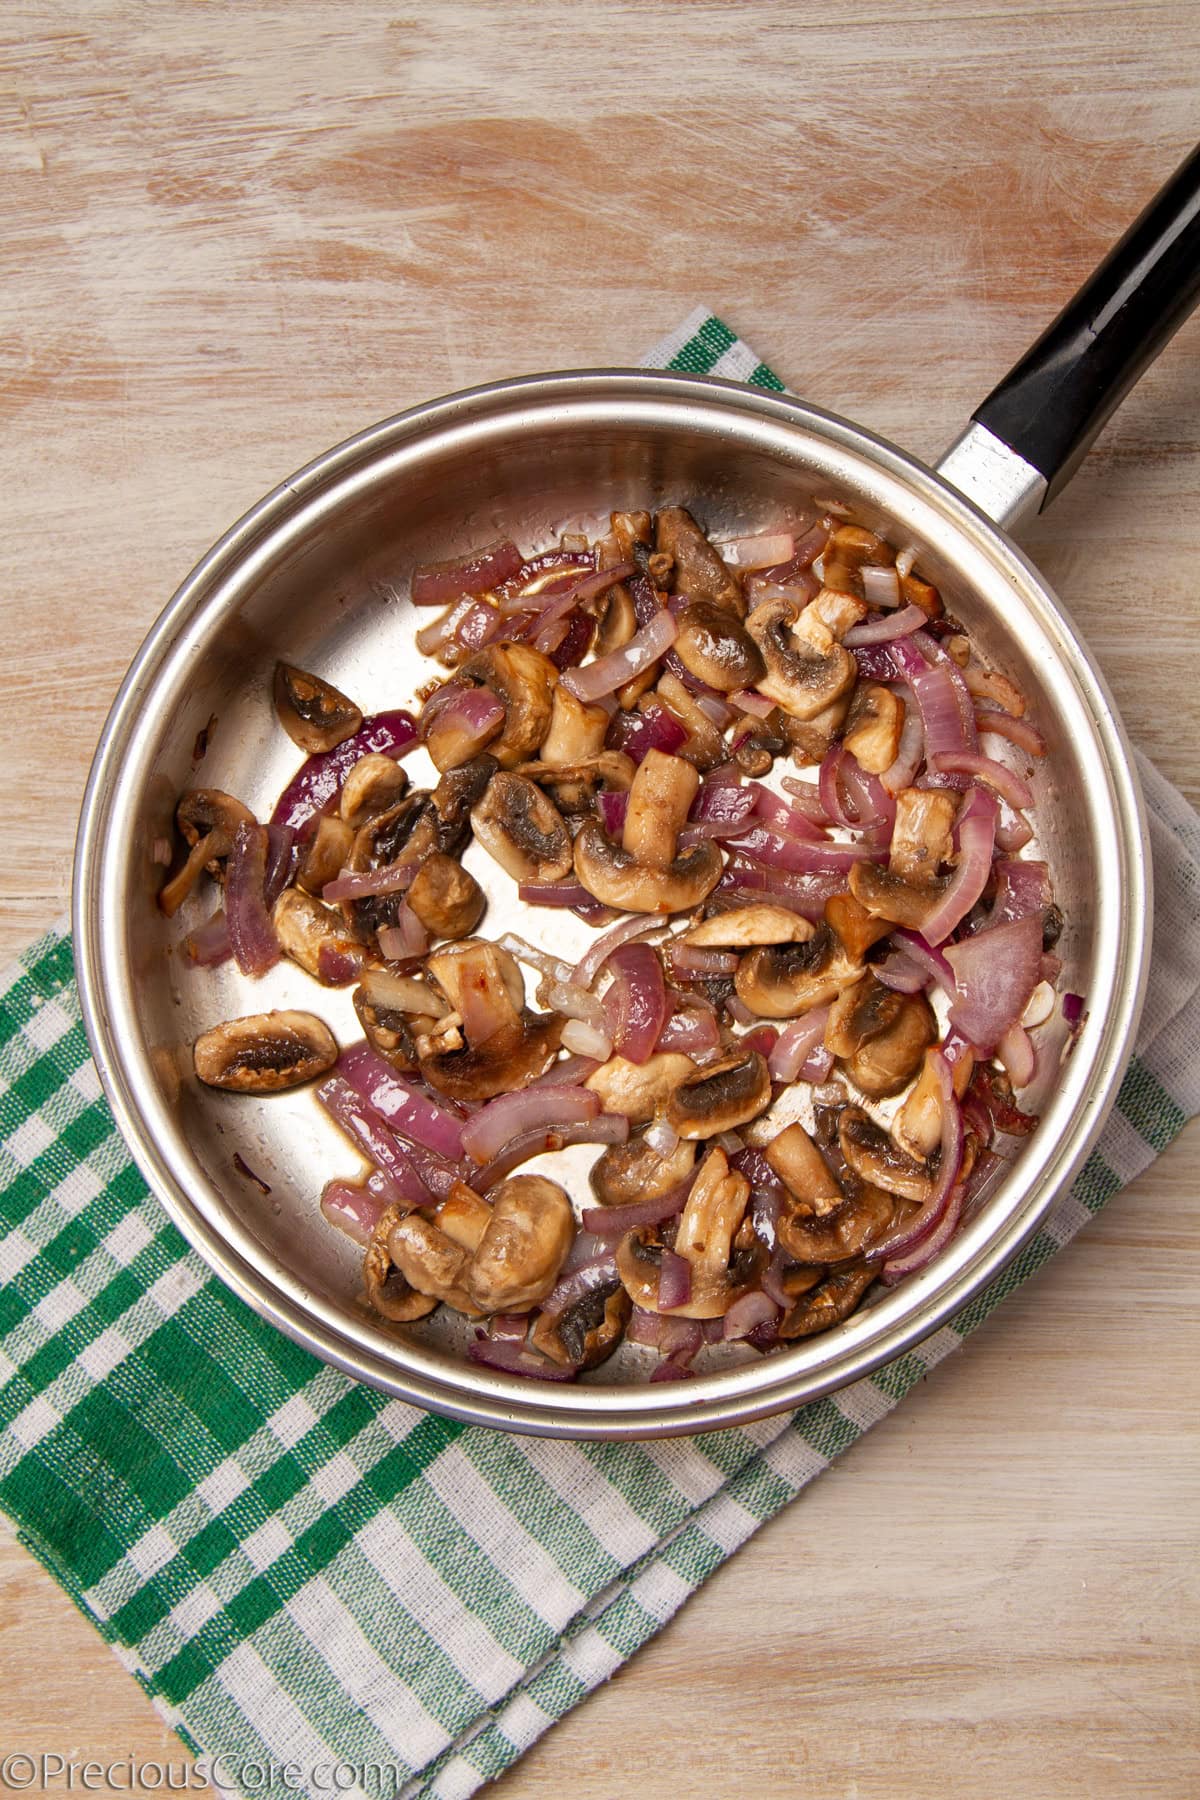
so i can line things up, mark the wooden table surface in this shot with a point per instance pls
(232, 235)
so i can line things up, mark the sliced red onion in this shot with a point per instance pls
(612, 807)
(317, 781)
(553, 893)
(691, 1031)
(499, 1121)
(366, 1129)
(723, 803)
(976, 829)
(514, 1359)
(806, 796)
(610, 672)
(583, 1039)
(251, 930)
(796, 1043)
(1018, 731)
(431, 639)
(674, 1281)
(511, 1328)
(281, 862)
(610, 1128)
(886, 630)
(439, 1173)
(881, 587)
(899, 973)
(714, 709)
(1013, 830)
(338, 964)
(923, 1253)
(802, 894)
(947, 711)
(462, 725)
(932, 962)
(760, 1041)
(805, 551)
(637, 733)
(817, 1065)
(352, 1209)
(635, 1005)
(780, 850)
(904, 1237)
(573, 1002)
(433, 584)
(910, 753)
(599, 1272)
(569, 1071)
(1015, 1050)
(644, 1328)
(590, 965)
(1006, 781)
(548, 569)
(765, 551)
(803, 821)
(692, 962)
(208, 946)
(875, 663)
(399, 1103)
(355, 883)
(477, 627)
(405, 938)
(615, 1221)
(1072, 1009)
(745, 1315)
(757, 705)
(995, 972)
(574, 579)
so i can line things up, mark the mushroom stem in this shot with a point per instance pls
(659, 801)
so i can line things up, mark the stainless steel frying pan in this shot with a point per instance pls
(317, 574)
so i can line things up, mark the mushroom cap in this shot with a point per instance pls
(715, 647)
(635, 1171)
(523, 680)
(612, 875)
(200, 811)
(721, 1096)
(715, 1238)
(388, 1030)
(387, 1288)
(372, 785)
(827, 1305)
(699, 570)
(639, 1090)
(316, 937)
(804, 675)
(446, 898)
(880, 1036)
(522, 828)
(873, 1156)
(431, 1261)
(781, 981)
(315, 715)
(509, 1060)
(264, 1053)
(523, 1245)
(874, 724)
(742, 927)
(840, 1235)
(587, 1332)
(326, 854)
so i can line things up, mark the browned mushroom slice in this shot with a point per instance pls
(202, 811)
(781, 981)
(523, 680)
(853, 545)
(721, 1096)
(446, 898)
(523, 829)
(373, 786)
(921, 835)
(807, 668)
(640, 1090)
(326, 854)
(873, 1156)
(433, 1253)
(575, 785)
(855, 926)
(388, 1030)
(917, 1127)
(264, 1053)
(576, 734)
(713, 645)
(714, 1236)
(803, 1170)
(873, 726)
(523, 1246)
(812, 739)
(585, 1333)
(827, 1305)
(511, 1059)
(879, 1036)
(634, 1171)
(632, 531)
(698, 570)
(387, 1288)
(742, 927)
(610, 873)
(841, 1235)
(315, 715)
(316, 938)
(705, 747)
(617, 620)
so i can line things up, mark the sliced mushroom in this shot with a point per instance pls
(611, 874)
(873, 1156)
(315, 715)
(446, 898)
(803, 1170)
(316, 938)
(743, 926)
(372, 786)
(921, 835)
(386, 1285)
(523, 829)
(632, 531)
(509, 1060)
(585, 1333)
(575, 785)
(639, 1090)
(714, 646)
(827, 1305)
(433, 1253)
(807, 668)
(634, 1171)
(617, 619)
(523, 1246)
(523, 680)
(264, 1053)
(705, 747)
(577, 730)
(721, 1096)
(880, 1036)
(917, 1127)
(756, 752)
(659, 800)
(850, 546)
(840, 1235)
(390, 1030)
(698, 570)
(713, 1235)
(208, 820)
(484, 985)
(781, 981)
(326, 855)
(855, 926)
(873, 726)
(812, 739)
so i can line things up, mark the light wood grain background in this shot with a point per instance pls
(232, 234)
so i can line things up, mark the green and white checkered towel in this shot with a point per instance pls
(301, 1572)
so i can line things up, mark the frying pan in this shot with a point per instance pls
(317, 574)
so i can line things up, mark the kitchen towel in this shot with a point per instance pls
(322, 1589)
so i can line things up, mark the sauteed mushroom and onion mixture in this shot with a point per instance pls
(863, 943)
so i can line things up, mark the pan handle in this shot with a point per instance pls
(1028, 437)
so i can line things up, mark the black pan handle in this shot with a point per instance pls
(1050, 406)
